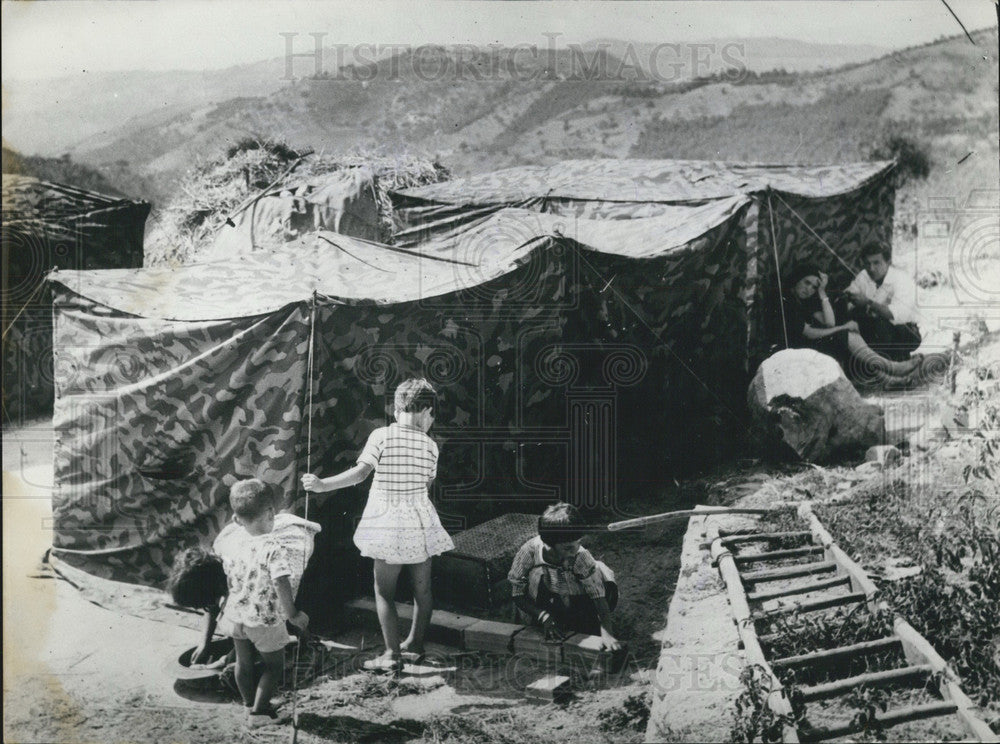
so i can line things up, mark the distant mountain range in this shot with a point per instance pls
(95, 103)
(476, 110)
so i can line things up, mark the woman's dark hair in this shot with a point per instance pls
(799, 273)
(560, 523)
(197, 579)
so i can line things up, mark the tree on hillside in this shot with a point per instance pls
(912, 159)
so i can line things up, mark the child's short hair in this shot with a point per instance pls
(560, 523)
(415, 394)
(250, 498)
(197, 579)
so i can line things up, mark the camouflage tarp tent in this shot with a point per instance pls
(564, 348)
(45, 225)
(342, 201)
(819, 213)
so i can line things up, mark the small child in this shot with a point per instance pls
(558, 585)
(198, 580)
(399, 526)
(258, 569)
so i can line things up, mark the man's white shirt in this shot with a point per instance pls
(897, 291)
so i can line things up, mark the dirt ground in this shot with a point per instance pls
(77, 672)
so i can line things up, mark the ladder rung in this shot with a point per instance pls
(813, 605)
(889, 718)
(829, 654)
(763, 536)
(788, 572)
(814, 586)
(774, 555)
(887, 677)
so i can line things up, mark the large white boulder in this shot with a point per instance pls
(802, 402)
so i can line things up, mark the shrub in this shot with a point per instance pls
(913, 161)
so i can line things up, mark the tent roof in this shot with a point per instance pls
(350, 270)
(647, 181)
(27, 198)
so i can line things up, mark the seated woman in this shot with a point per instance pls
(810, 323)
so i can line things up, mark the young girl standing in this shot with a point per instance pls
(399, 527)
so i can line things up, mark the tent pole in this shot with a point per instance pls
(309, 391)
(309, 421)
(777, 267)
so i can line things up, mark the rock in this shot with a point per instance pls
(883, 455)
(804, 405)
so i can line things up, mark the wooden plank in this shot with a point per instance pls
(776, 555)
(764, 536)
(873, 679)
(790, 591)
(813, 605)
(830, 654)
(889, 718)
(788, 572)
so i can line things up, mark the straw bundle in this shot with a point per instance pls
(212, 192)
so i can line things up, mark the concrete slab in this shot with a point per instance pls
(697, 678)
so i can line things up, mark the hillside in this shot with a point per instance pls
(65, 171)
(492, 109)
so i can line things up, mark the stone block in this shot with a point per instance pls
(487, 635)
(549, 688)
(448, 627)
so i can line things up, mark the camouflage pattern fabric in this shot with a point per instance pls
(827, 232)
(45, 225)
(637, 181)
(156, 419)
(565, 348)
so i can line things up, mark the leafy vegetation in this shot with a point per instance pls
(633, 715)
(753, 718)
(913, 161)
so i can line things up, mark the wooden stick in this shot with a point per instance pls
(813, 605)
(891, 718)
(791, 591)
(774, 555)
(791, 572)
(667, 516)
(763, 537)
(827, 654)
(873, 679)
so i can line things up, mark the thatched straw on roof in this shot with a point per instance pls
(251, 168)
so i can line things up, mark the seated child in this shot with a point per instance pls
(557, 584)
(258, 569)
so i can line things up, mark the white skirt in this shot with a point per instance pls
(401, 528)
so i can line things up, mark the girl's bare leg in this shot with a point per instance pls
(386, 575)
(423, 605)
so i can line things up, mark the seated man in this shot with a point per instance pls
(882, 301)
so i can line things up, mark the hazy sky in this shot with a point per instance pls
(42, 39)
